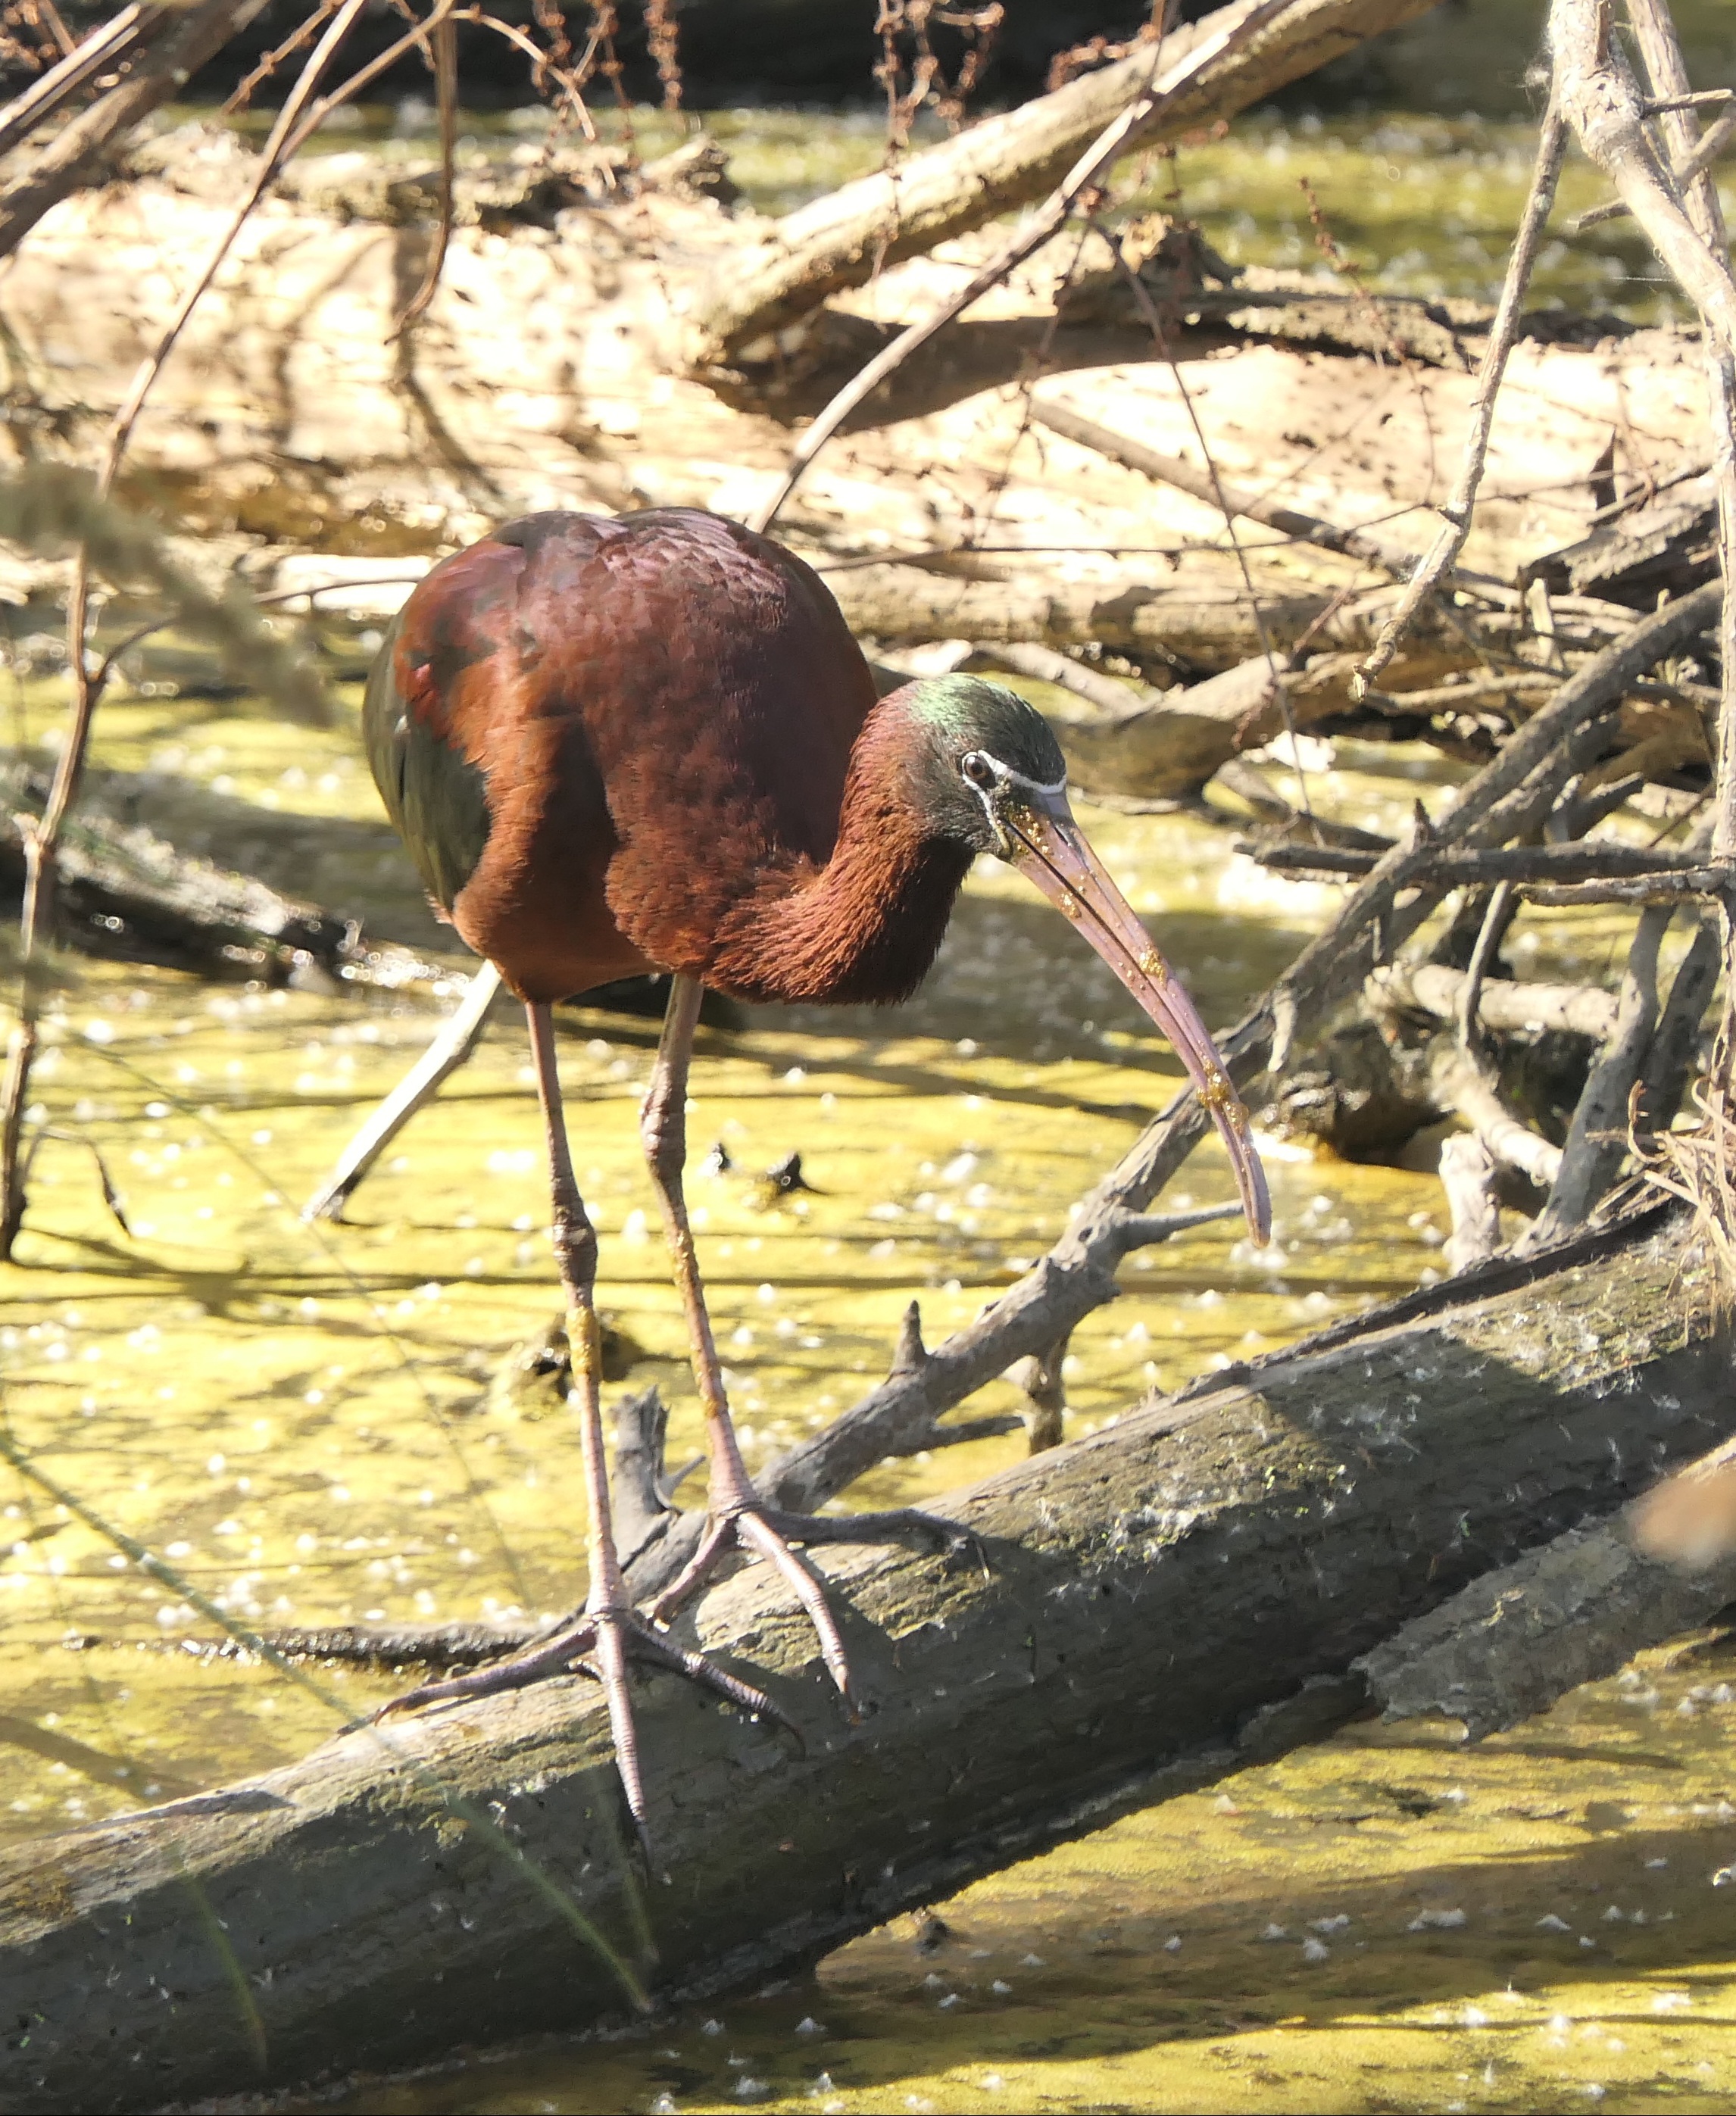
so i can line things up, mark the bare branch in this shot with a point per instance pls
(1596, 94)
(1434, 989)
(1362, 544)
(107, 45)
(1709, 150)
(1598, 1136)
(1462, 1086)
(1442, 554)
(81, 152)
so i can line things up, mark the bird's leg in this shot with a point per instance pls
(607, 1627)
(738, 1514)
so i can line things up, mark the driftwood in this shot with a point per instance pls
(1198, 618)
(1160, 1604)
(1513, 1642)
(842, 240)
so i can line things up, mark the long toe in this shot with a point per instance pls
(599, 1644)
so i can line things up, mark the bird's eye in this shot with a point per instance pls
(977, 769)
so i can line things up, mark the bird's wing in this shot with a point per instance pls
(434, 794)
(722, 693)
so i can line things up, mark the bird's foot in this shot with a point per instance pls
(608, 1638)
(767, 1532)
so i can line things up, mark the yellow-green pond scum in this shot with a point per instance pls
(299, 1421)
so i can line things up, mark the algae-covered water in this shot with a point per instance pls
(302, 1423)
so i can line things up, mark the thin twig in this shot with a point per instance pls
(102, 50)
(443, 45)
(1456, 510)
(1718, 137)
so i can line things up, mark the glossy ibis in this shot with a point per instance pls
(651, 743)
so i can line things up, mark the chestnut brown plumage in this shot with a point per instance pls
(650, 743)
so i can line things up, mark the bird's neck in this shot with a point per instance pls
(864, 928)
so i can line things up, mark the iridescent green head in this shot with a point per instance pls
(982, 752)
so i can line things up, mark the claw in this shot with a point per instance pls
(767, 1532)
(612, 1636)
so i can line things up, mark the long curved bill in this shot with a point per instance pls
(1050, 851)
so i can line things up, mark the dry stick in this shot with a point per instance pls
(1547, 864)
(103, 49)
(1673, 888)
(1464, 1087)
(1433, 988)
(571, 83)
(442, 42)
(80, 152)
(1090, 171)
(1201, 484)
(1598, 1136)
(1596, 94)
(1438, 560)
(1662, 57)
(308, 27)
(1711, 149)
(1496, 919)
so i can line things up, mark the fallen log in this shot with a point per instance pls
(1513, 1642)
(1167, 747)
(1160, 1603)
(1198, 617)
(844, 239)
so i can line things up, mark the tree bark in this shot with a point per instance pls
(1160, 1603)
(1199, 616)
(842, 240)
(1513, 1642)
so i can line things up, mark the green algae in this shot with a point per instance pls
(299, 1421)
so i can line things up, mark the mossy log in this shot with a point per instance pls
(1157, 1604)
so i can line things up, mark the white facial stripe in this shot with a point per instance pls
(1005, 774)
(1028, 793)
